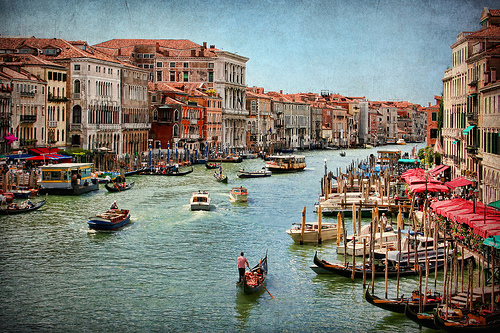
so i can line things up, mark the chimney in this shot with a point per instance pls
(204, 45)
(119, 51)
(157, 47)
(212, 46)
(429, 104)
(281, 92)
(193, 53)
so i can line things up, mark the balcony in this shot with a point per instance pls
(472, 117)
(76, 127)
(27, 94)
(137, 126)
(52, 124)
(27, 118)
(471, 150)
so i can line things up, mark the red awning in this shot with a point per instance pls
(458, 182)
(437, 170)
(412, 180)
(44, 150)
(419, 188)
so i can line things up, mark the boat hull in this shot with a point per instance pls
(312, 236)
(252, 289)
(119, 189)
(75, 190)
(99, 223)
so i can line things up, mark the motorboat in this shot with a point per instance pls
(200, 200)
(254, 174)
(401, 142)
(110, 220)
(311, 232)
(238, 194)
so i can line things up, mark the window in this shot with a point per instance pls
(140, 56)
(434, 116)
(172, 64)
(434, 133)
(172, 76)
(77, 114)
(158, 76)
(186, 65)
(76, 67)
(49, 76)
(210, 65)
(49, 51)
(77, 87)
(59, 76)
(185, 76)
(159, 64)
(210, 76)
(64, 77)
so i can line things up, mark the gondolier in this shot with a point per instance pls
(241, 266)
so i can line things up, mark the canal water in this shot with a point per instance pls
(175, 270)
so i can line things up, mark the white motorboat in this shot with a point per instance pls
(238, 194)
(311, 232)
(401, 142)
(200, 201)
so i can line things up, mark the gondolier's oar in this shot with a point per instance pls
(267, 291)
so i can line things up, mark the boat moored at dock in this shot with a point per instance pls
(67, 179)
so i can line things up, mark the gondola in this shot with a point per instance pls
(17, 210)
(422, 319)
(342, 154)
(468, 322)
(119, 187)
(398, 304)
(212, 165)
(220, 178)
(166, 172)
(324, 267)
(254, 174)
(255, 278)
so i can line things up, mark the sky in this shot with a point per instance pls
(384, 50)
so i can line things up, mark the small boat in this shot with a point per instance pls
(398, 305)
(467, 321)
(238, 194)
(422, 319)
(324, 267)
(342, 154)
(401, 142)
(255, 278)
(212, 165)
(116, 187)
(27, 206)
(286, 163)
(21, 194)
(311, 232)
(110, 220)
(356, 248)
(220, 178)
(228, 159)
(254, 174)
(7, 196)
(200, 201)
(166, 171)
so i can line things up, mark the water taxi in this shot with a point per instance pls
(67, 179)
(401, 142)
(286, 163)
(200, 200)
(238, 194)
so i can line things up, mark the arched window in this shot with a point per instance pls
(176, 115)
(176, 130)
(77, 114)
(77, 87)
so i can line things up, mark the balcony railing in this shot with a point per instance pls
(27, 94)
(27, 118)
(472, 116)
(76, 127)
(52, 123)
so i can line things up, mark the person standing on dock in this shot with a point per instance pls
(241, 266)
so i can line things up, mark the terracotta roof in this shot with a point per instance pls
(22, 75)
(491, 31)
(161, 86)
(169, 100)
